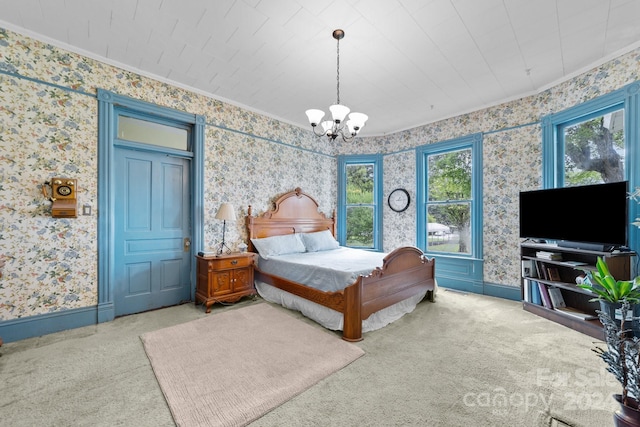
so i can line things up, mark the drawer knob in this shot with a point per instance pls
(234, 262)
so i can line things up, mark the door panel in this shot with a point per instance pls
(152, 270)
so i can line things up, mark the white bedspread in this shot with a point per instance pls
(328, 271)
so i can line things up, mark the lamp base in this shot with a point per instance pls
(221, 249)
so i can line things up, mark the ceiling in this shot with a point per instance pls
(404, 63)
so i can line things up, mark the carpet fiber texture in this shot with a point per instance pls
(231, 368)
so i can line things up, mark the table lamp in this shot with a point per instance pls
(225, 212)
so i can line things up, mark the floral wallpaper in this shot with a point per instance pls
(48, 123)
(48, 127)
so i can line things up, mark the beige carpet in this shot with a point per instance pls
(229, 369)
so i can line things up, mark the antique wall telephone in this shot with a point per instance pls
(63, 196)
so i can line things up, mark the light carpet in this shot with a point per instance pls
(231, 368)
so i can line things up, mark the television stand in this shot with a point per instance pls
(542, 271)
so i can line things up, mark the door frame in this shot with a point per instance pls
(107, 103)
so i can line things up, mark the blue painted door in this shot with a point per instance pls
(152, 231)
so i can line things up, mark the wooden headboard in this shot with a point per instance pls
(293, 212)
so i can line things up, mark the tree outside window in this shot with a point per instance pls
(449, 202)
(594, 150)
(360, 205)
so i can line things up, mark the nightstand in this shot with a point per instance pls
(224, 278)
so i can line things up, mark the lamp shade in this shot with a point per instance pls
(338, 112)
(314, 116)
(358, 119)
(226, 212)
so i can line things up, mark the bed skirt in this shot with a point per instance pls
(332, 319)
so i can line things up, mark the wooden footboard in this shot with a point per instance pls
(405, 272)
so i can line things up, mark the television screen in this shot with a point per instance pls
(590, 214)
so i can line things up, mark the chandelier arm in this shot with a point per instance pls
(315, 131)
(347, 138)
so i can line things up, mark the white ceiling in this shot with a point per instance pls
(403, 62)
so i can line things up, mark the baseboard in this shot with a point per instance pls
(43, 324)
(482, 288)
(502, 291)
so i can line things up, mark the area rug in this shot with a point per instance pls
(229, 369)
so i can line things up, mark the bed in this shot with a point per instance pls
(375, 296)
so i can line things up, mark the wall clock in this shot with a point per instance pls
(399, 200)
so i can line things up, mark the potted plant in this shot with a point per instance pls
(623, 345)
(612, 293)
(623, 361)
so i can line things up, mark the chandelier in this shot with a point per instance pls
(332, 128)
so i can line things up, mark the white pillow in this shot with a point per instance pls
(278, 245)
(319, 241)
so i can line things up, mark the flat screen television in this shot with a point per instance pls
(587, 217)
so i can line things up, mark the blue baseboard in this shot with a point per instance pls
(482, 288)
(502, 291)
(43, 324)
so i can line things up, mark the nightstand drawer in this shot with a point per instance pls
(231, 262)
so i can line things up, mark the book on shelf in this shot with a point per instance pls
(555, 256)
(541, 271)
(535, 293)
(528, 269)
(544, 293)
(578, 314)
(575, 263)
(526, 290)
(553, 274)
(556, 298)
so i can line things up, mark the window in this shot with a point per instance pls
(449, 197)
(590, 143)
(593, 148)
(359, 198)
(154, 133)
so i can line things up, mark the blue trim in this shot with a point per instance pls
(632, 166)
(139, 146)
(343, 162)
(106, 133)
(42, 324)
(31, 79)
(510, 128)
(270, 140)
(461, 273)
(197, 202)
(502, 291)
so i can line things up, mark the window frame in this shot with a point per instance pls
(474, 143)
(349, 160)
(553, 138)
